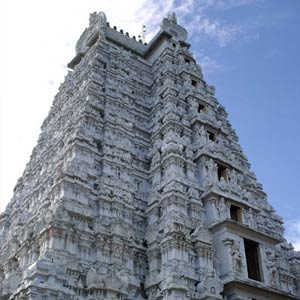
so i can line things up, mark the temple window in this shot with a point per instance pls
(211, 136)
(187, 60)
(252, 258)
(236, 213)
(194, 83)
(222, 172)
(201, 108)
(137, 184)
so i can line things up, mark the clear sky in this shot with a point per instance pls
(248, 49)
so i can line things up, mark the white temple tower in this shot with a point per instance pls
(138, 188)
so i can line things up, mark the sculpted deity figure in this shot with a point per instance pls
(211, 286)
(175, 266)
(234, 180)
(249, 217)
(203, 134)
(221, 208)
(186, 82)
(261, 217)
(223, 184)
(94, 279)
(124, 278)
(193, 193)
(35, 252)
(233, 177)
(189, 153)
(272, 268)
(211, 172)
(237, 257)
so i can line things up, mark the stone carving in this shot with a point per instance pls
(94, 280)
(172, 18)
(100, 17)
(237, 257)
(222, 208)
(123, 194)
(193, 193)
(202, 234)
(170, 25)
(211, 286)
(203, 136)
(249, 218)
(211, 172)
(272, 268)
(118, 282)
(124, 278)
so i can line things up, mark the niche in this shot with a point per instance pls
(252, 258)
(201, 108)
(194, 83)
(235, 213)
(211, 136)
(118, 172)
(187, 60)
(222, 172)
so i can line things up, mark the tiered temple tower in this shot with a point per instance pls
(138, 188)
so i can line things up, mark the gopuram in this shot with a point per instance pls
(138, 188)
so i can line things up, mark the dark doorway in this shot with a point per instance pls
(252, 257)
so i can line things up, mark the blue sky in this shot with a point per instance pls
(248, 49)
(254, 64)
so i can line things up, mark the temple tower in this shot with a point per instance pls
(138, 188)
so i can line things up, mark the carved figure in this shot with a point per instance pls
(249, 217)
(93, 279)
(211, 172)
(237, 258)
(203, 134)
(172, 17)
(222, 208)
(102, 19)
(124, 277)
(272, 268)
(211, 286)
